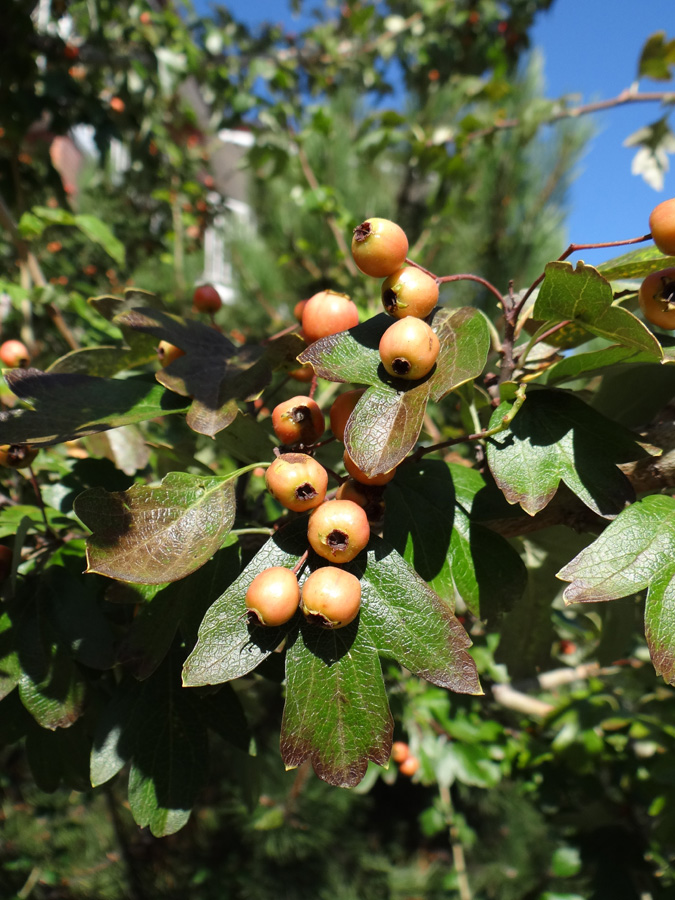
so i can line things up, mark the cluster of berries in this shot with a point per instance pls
(339, 529)
(657, 291)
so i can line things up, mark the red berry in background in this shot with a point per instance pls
(331, 597)
(14, 354)
(662, 226)
(17, 456)
(298, 420)
(409, 349)
(657, 298)
(273, 596)
(409, 766)
(379, 247)
(328, 312)
(400, 751)
(298, 309)
(338, 530)
(360, 476)
(297, 481)
(167, 353)
(206, 299)
(409, 292)
(303, 373)
(342, 408)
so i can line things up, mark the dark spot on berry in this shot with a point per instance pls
(318, 619)
(337, 540)
(300, 414)
(305, 491)
(390, 300)
(400, 365)
(362, 231)
(668, 292)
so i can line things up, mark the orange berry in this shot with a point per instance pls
(400, 751)
(168, 353)
(297, 481)
(379, 247)
(328, 313)
(14, 354)
(409, 349)
(298, 420)
(273, 596)
(331, 597)
(338, 530)
(662, 226)
(342, 408)
(359, 475)
(657, 298)
(409, 292)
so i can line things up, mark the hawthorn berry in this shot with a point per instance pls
(17, 456)
(409, 292)
(331, 597)
(328, 312)
(273, 596)
(657, 298)
(409, 349)
(409, 766)
(302, 373)
(662, 226)
(298, 309)
(14, 354)
(297, 481)
(342, 408)
(298, 420)
(379, 247)
(338, 530)
(359, 475)
(206, 299)
(400, 751)
(168, 353)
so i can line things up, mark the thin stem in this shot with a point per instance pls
(411, 262)
(300, 563)
(249, 468)
(456, 846)
(504, 423)
(466, 277)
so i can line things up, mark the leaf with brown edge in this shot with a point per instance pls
(151, 535)
(636, 551)
(384, 426)
(336, 712)
(465, 343)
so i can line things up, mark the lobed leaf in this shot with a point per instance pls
(556, 437)
(151, 535)
(585, 297)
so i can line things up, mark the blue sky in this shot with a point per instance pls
(590, 49)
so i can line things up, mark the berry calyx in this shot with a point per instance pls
(662, 226)
(297, 481)
(168, 353)
(409, 292)
(360, 476)
(298, 420)
(342, 408)
(338, 530)
(409, 349)
(657, 298)
(328, 312)
(14, 354)
(17, 456)
(273, 596)
(331, 597)
(206, 299)
(379, 247)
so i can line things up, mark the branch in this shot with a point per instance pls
(626, 96)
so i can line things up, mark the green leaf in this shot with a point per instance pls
(465, 343)
(98, 232)
(336, 712)
(443, 545)
(658, 55)
(636, 551)
(350, 356)
(228, 646)
(10, 668)
(593, 362)
(556, 437)
(583, 296)
(152, 535)
(68, 406)
(635, 265)
(384, 426)
(112, 748)
(213, 372)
